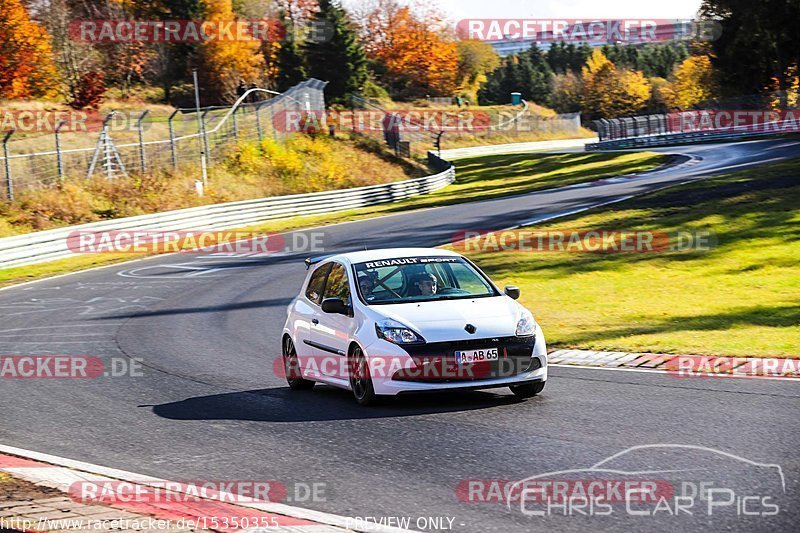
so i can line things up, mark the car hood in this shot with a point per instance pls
(445, 320)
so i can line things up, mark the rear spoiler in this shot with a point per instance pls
(309, 261)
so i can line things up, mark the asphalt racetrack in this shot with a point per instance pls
(209, 406)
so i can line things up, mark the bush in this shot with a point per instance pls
(89, 92)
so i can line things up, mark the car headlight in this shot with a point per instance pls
(397, 333)
(526, 325)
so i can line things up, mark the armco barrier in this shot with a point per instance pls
(49, 245)
(666, 139)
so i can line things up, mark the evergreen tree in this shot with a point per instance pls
(290, 63)
(340, 60)
(539, 82)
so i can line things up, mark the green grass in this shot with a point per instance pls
(741, 298)
(478, 178)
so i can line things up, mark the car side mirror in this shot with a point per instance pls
(512, 292)
(334, 306)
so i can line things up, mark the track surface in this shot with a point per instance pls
(209, 406)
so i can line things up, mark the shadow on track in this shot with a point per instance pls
(322, 404)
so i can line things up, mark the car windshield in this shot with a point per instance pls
(420, 279)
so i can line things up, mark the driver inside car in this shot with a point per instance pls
(425, 284)
(366, 282)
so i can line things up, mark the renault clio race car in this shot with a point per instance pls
(386, 322)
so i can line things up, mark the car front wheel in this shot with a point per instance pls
(527, 390)
(360, 379)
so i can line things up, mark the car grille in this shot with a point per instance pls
(436, 362)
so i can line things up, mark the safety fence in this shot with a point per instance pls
(417, 130)
(132, 142)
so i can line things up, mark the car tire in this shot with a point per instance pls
(527, 390)
(360, 379)
(291, 365)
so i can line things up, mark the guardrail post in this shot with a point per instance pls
(9, 182)
(59, 156)
(172, 148)
(142, 157)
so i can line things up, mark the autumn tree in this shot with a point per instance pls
(225, 62)
(567, 93)
(692, 82)
(298, 12)
(339, 59)
(415, 57)
(610, 92)
(76, 60)
(27, 68)
(476, 59)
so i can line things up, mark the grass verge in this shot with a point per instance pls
(740, 298)
(477, 178)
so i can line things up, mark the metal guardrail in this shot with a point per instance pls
(49, 245)
(660, 130)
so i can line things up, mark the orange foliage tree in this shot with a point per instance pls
(27, 68)
(419, 58)
(610, 92)
(225, 62)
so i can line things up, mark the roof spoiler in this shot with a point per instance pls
(314, 260)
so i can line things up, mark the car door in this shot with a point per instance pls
(332, 334)
(307, 312)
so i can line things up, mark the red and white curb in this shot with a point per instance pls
(680, 365)
(60, 473)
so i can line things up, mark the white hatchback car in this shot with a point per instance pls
(385, 322)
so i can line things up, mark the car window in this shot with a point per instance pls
(414, 279)
(337, 284)
(465, 279)
(317, 283)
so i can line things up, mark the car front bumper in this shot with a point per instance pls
(395, 369)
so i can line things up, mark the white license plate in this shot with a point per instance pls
(475, 356)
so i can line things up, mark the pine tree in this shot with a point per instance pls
(340, 60)
(291, 68)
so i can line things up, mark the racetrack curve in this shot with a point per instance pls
(209, 406)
